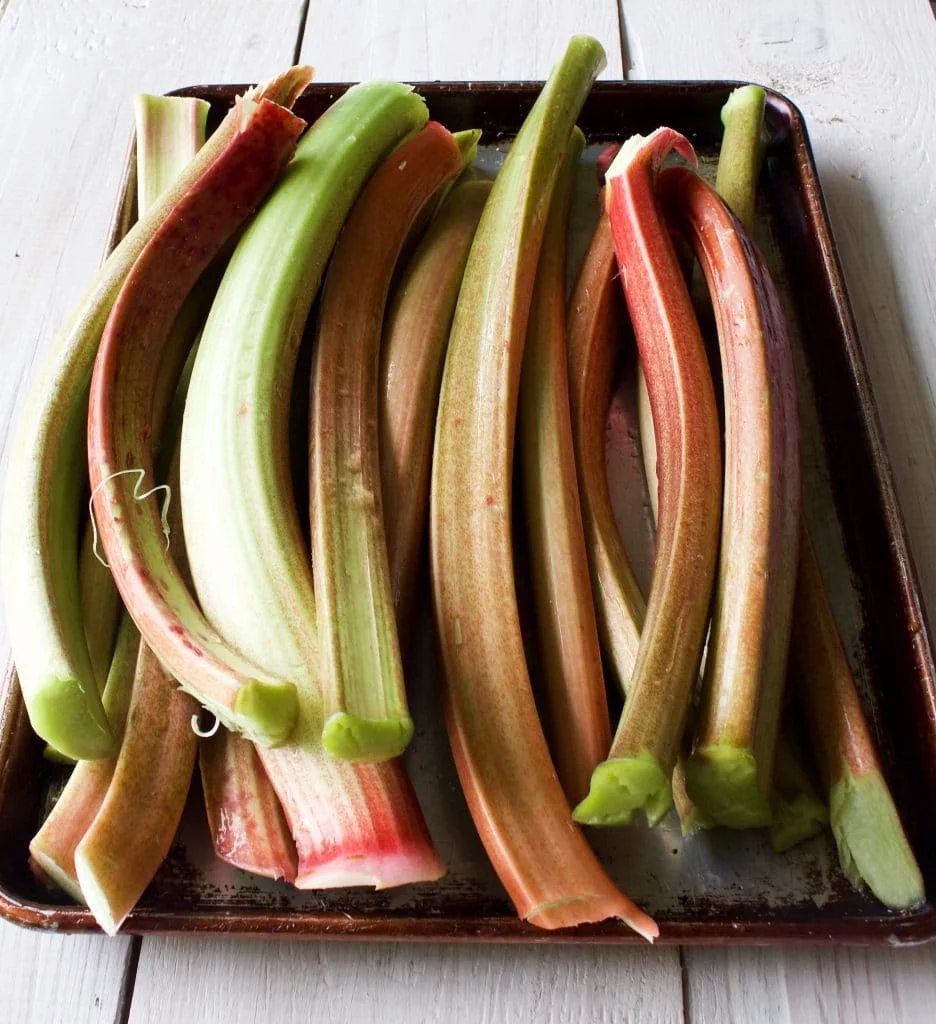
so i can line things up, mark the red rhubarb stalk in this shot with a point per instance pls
(503, 762)
(120, 430)
(639, 767)
(729, 773)
(246, 822)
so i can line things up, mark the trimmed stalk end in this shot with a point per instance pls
(795, 821)
(659, 142)
(94, 895)
(53, 870)
(467, 142)
(266, 711)
(870, 839)
(363, 739)
(623, 785)
(722, 780)
(76, 727)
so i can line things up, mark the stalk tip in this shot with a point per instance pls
(623, 785)
(266, 711)
(363, 739)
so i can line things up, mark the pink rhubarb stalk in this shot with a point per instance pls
(639, 767)
(246, 822)
(120, 430)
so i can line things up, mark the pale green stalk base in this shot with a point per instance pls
(795, 821)
(362, 739)
(798, 811)
(871, 842)
(620, 787)
(742, 152)
(265, 711)
(723, 780)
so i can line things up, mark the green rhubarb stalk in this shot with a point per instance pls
(367, 718)
(639, 767)
(742, 152)
(797, 811)
(170, 132)
(872, 845)
(576, 705)
(42, 501)
(53, 846)
(416, 333)
(503, 762)
(120, 430)
(351, 824)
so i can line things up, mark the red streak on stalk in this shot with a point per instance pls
(126, 368)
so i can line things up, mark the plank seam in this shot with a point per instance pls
(128, 982)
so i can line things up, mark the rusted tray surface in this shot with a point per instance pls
(720, 887)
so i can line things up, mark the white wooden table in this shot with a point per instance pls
(864, 74)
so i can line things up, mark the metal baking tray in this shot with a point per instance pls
(719, 887)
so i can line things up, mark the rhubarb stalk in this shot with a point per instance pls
(506, 772)
(367, 718)
(729, 773)
(594, 334)
(639, 767)
(41, 509)
(797, 812)
(53, 846)
(120, 430)
(872, 845)
(416, 334)
(351, 824)
(576, 704)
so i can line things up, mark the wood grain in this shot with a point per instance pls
(419, 40)
(68, 70)
(54, 979)
(854, 986)
(242, 982)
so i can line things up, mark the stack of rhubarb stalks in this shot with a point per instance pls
(169, 601)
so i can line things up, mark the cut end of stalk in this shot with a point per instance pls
(621, 786)
(467, 142)
(93, 894)
(871, 842)
(659, 142)
(386, 871)
(266, 711)
(744, 98)
(363, 739)
(589, 909)
(70, 723)
(56, 872)
(722, 781)
(795, 821)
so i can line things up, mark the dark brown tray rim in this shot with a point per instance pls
(906, 929)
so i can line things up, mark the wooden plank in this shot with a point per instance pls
(337, 982)
(848, 986)
(67, 72)
(55, 979)
(241, 982)
(420, 40)
(866, 85)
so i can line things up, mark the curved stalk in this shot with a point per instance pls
(503, 762)
(42, 500)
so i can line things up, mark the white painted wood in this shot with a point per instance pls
(68, 69)
(854, 986)
(55, 979)
(420, 40)
(864, 76)
(303, 983)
